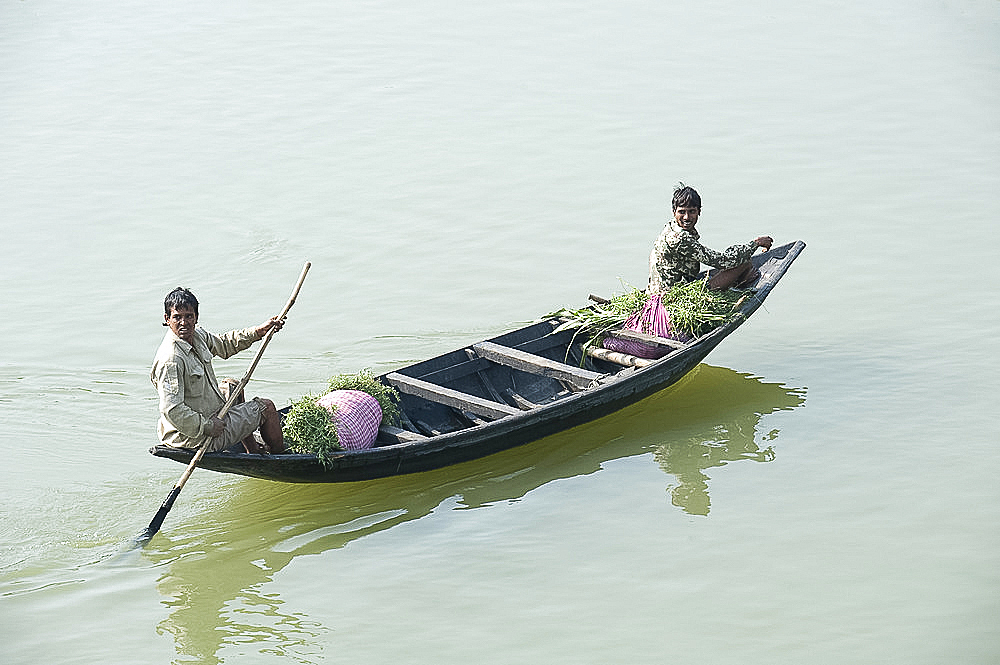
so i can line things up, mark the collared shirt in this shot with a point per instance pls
(186, 383)
(677, 257)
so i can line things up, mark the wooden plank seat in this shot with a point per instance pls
(477, 364)
(441, 395)
(529, 362)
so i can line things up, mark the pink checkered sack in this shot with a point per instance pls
(653, 319)
(356, 416)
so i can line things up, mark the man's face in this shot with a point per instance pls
(182, 322)
(686, 217)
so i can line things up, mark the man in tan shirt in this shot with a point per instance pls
(190, 395)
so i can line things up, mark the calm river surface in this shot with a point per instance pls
(823, 490)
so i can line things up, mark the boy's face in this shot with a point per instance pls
(686, 217)
(182, 322)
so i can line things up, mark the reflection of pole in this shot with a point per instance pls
(201, 620)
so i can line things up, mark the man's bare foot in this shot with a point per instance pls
(254, 447)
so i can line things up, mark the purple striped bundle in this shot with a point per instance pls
(653, 319)
(356, 415)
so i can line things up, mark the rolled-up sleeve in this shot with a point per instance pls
(232, 342)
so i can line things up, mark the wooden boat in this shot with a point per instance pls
(500, 393)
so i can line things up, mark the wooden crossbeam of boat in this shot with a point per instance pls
(441, 395)
(529, 362)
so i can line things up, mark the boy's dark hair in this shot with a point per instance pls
(180, 298)
(686, 196)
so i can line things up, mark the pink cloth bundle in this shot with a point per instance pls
(356, 415)
(653, 319)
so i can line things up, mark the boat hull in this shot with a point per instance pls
(461, 370)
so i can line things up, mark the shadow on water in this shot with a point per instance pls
(222, 563)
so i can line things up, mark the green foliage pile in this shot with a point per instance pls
(599, 319)
(694, 310)
(365, 381)
(628, 303)
(309, 428)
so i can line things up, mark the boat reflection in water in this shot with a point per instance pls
(690, 449)
(216, 572)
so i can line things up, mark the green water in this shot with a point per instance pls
(822, 490)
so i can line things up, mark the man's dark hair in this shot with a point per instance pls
(685, 196)
(180, 298)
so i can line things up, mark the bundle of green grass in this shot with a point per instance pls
(346, 417)
(693, 310)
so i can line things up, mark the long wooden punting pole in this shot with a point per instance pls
(168, 503)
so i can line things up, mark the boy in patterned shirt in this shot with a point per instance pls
(678, 254)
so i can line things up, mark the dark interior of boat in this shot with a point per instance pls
(518, 371)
